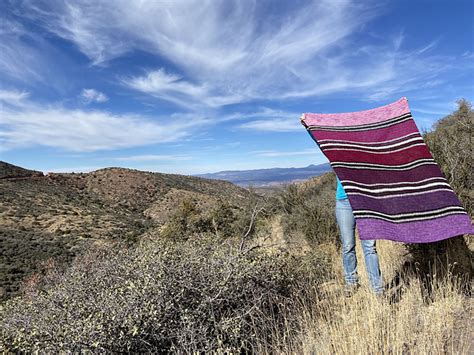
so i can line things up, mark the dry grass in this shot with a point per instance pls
(404, 323)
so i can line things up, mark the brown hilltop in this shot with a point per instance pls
(8, 170)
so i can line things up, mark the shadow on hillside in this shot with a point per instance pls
(449, 259)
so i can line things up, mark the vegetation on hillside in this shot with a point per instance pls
(201, 294)
(61, 215)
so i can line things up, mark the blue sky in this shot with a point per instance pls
(202, 86)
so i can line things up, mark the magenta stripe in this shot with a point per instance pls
(374, 135)
(415, 232)
(381, 113)
(406, 204)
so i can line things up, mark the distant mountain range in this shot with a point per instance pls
(269, 177)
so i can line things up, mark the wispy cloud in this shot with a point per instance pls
(274, 125)
(20, 59)
(92, 95)
(13, 97)
(169, 157)
(31, 124)
(266, 119)
(176, 89)
(273, 153)
(222, 53)
(26, 57)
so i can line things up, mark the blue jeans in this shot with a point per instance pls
(346, 223)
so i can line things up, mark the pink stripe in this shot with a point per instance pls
(378, 114)
(374, 135)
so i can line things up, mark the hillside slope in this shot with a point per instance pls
(59, 215)
(10, 171)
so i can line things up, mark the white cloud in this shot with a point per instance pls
(89, 130)
(226, 52)
(267, 119)
(92, 95)
(25, 56)
(169, 157)
(174, 88)
(274, 125)
(19, 58)
(223, 51)
(273, 153)
(13, 97)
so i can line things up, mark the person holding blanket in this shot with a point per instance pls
(396, 190)
(346, 224)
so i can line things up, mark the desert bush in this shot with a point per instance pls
(309, 210)
(223, 219)
(187, 220)
(194, 295)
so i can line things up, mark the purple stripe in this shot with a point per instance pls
(351, 191)
(367, 176)
(415, 232)
(406, 203)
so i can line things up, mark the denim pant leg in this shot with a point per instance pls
(346, 223)
(372, 265)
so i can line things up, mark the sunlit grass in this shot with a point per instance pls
(401, 324)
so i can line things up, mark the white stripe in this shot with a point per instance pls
(366, 147)
(410, 214)
(344, 141)
(404, 188)
(412, 219)
(360, 150)
(350, 182)
(407, 166)
(399, 195)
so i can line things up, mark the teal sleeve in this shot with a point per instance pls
(340, 193)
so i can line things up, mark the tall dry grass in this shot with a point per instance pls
(403, 323)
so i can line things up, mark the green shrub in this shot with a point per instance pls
(450, 142)
(186, 220)
(309, 210)
(223, 220)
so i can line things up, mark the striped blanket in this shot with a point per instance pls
(395, 188)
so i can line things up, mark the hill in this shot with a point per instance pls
(60, 214)
(269, 177)
(11, 171)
